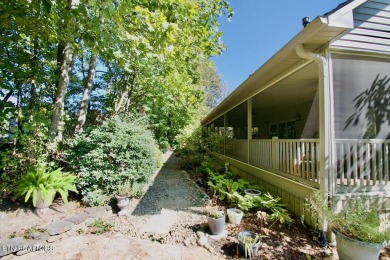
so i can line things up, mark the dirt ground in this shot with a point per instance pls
(279, 242)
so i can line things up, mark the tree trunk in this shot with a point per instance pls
(34, 68)
(87, 95)
(61, 86)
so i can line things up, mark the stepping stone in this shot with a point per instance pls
(31, 246)
(160, 224)
(78, 218)
(12, 245)
(97, 212)
(58, 227)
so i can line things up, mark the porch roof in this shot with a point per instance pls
(314, 37)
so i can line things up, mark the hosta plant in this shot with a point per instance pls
(39, 180)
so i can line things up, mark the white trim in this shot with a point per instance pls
(332, 163)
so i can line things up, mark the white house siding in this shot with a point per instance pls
(372, 28)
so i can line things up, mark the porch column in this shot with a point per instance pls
(249, 112)
(326, 136)
(224, 132)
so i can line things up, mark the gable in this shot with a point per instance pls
(371, 28)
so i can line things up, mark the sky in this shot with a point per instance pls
(258, 30)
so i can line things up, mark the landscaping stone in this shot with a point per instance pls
(12, 245)
(55, 238)
(31, 246)
(202, 241)
(162, 223)
(78, 218)
(123, 212)
(58, 227)
(39, 236)
(8, 257)
(200, 233)
(97, 212)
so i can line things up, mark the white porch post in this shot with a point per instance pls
(325, 123)
(224, 132)
(249, 112)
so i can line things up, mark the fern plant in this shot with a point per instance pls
(47, 183)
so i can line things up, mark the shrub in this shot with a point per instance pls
(25, 148)
(121, 150)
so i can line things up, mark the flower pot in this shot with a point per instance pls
(122, 203)
(235, 215)
(254, 247)
(252, 192)
(42, 204)
(216, 225)
(348, 248)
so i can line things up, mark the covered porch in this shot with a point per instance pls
(274, 135)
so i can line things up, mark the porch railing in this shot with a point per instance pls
(362, 164)
(291, 158)
(298, 158)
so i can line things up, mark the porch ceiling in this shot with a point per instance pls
(315, 37)
(295, 89)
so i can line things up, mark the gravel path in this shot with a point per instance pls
(173, 198)
(172, 192)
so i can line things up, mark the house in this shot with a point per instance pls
(316, 116)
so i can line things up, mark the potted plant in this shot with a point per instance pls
(43, 186)
(216, 220)
(249, 243)
(122, 197)
(235, 215)
(252, 192)
(358, 230)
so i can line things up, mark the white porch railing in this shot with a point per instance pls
(260, 153)
(237, 149)
(294, 159)
(298, 159)
(362, 164)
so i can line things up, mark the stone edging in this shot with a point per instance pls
(54, 231)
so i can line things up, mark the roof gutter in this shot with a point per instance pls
(324, 118)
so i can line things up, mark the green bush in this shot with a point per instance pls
(26, 148)
(121, 149)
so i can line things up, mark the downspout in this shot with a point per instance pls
(325, 119)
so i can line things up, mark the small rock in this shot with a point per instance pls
(12, 245)
(188, 242)
(123, 212)
(54, 238)
(39, 236)
(200, 233)
(78, 218)
(58, 227)
(202, 241)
